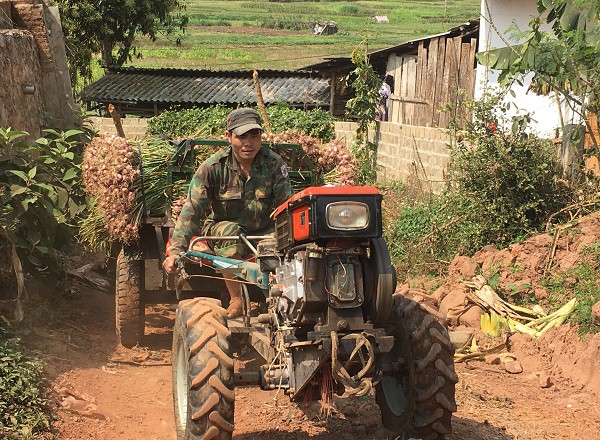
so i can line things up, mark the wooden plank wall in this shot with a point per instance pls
(441, 73)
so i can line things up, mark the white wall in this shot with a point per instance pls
(504, 14)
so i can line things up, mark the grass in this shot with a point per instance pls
(241, 30)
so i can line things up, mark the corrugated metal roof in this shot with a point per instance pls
(188, 87)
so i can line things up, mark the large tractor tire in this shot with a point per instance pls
(129, 304)
(418, 401)
(203, 391)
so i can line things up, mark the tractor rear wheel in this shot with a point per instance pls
(418, 400)
(203, 391)
(129, 303)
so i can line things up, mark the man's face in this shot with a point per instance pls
(246, 146)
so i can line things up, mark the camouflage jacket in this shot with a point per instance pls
(220, 191)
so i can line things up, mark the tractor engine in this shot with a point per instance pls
(323, 260)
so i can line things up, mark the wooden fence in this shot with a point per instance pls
(440, 73)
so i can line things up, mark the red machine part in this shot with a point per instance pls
(301, 223)
(325, 191)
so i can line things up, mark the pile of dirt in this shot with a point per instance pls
(563, 354)
(518, 271)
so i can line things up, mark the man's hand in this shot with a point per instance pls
(169, 264)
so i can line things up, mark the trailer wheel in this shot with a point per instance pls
(128, 300)
(419, 400)
(203, 391)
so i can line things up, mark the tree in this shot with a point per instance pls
(564, 59)
(366, 83)
(110, 27)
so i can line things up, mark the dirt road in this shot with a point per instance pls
(129, 397)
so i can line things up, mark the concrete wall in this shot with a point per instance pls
(406, 152)
(497, 17)
(134, 128)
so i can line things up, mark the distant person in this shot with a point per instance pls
(385, 93)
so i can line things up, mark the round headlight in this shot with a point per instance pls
(347, 215)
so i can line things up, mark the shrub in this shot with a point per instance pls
(504, 185)
(40, 192)
(24, 410)
(511, 176)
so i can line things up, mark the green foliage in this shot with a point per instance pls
(40, 192)
(285, 23)
(205, 122)
(366, 83)
(349, 9)
(563, 56)
(211, 122)
(24, 410)
(581, 282)
(511, 175)
(317, 122)
(92, 27)
(503, 186)
(425, 235)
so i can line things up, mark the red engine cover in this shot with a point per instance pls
(325, 191)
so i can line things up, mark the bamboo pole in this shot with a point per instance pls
(261, 102)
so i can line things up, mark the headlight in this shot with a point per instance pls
(347, 215)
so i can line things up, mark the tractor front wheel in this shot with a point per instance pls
(203, 391)
(418, 400)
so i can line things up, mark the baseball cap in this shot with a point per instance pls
(242, 120)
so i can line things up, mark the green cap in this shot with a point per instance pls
(242, 120)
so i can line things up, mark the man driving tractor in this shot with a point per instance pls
(232, 192)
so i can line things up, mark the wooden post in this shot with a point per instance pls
(333, 88)
(117, 120)
(261, 102)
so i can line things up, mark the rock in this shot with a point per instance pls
(544, 380)
(472, 317)
(492, 359)
(596, 313)
(440, 293)
(513, 367)
(504, 258)
(463, 266)
(455, 298)
(507, 357)
(460, 338)
(484, 252)
(540, 293)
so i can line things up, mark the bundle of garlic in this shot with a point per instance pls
(110, 171)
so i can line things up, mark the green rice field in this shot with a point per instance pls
(262, 34)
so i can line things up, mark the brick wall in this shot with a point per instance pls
(406, 151)
(134, 128)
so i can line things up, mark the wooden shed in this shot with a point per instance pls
(430, 74)
(433, 74)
